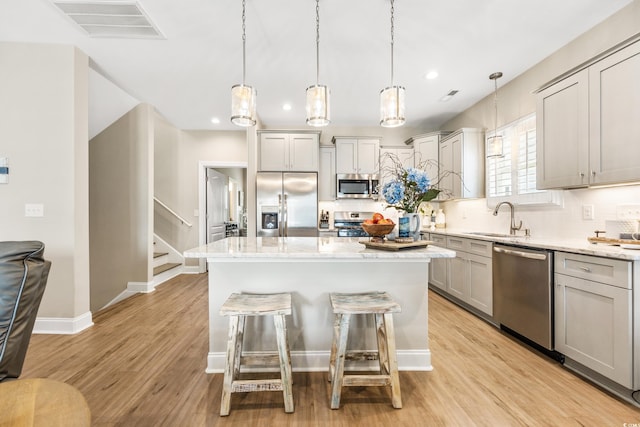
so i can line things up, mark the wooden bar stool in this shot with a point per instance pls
(382, 306)
(238, 307)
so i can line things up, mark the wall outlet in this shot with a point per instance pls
(34, 209)
(630, 211)
(588, 212)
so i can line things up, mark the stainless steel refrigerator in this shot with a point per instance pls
(287, 204)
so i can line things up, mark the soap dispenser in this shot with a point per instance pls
(440, 219)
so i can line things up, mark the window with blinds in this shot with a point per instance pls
(512, 177)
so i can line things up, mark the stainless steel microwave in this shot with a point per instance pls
(357, 186)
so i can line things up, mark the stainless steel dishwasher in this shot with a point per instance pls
(523, 292)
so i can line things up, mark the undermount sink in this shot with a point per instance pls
(488, 234)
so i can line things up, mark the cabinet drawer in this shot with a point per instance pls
(478, 247)
(438, 240)
(604, 270)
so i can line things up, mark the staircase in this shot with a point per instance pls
(167, 262)
(161, 263)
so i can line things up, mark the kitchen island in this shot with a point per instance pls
(310, 268)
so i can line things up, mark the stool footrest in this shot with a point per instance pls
(366, 380)
(361, 355)
(242, 386)
(263, 359)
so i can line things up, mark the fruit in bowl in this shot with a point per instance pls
(378, 226)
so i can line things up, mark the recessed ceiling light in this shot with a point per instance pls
(215, 121)
(286, 107)
(431, 75)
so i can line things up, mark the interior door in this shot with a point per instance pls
(217, 205)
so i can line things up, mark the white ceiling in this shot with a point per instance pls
(188, 75)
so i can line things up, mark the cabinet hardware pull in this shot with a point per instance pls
(585, 269)
(581, 174)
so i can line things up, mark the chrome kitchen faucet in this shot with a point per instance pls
(512, 227)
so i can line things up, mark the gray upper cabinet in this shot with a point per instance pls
(588, 132)
(462, 164)
(357, 155)
(284, 151)
(614, 119)
(562, 123)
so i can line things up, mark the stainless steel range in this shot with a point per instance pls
(349, 223)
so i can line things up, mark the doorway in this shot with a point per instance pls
(234, 175)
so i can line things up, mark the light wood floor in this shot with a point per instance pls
(143, 363)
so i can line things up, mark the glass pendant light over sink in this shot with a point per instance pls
(318, 96)
(494, 143)
(243, 97)
(392, 97)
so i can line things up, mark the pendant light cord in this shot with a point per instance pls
(392, 10)
(495, 105)
(317, 42)
(244, 40)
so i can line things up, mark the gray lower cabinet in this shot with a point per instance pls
(469, 276)
(593, 314)
(438, 266)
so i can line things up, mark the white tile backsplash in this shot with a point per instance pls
(546, 222)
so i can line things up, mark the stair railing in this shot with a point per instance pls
(171, 211)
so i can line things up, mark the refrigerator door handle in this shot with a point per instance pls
(280, 215)
(285, 217)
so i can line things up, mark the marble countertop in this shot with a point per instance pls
(579, 246)
(307, 248)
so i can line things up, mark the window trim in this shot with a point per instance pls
(537, 199)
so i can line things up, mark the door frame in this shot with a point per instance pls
(203, 165)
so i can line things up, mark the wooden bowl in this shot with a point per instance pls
(378, 230)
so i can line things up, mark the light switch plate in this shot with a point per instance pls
(588, 212)
(34, 209)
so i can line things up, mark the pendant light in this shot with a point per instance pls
(494, 143)
(392, 97)
(243, 97)
(318, 96)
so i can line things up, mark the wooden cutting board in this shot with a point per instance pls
(613, 241)
(390, 245)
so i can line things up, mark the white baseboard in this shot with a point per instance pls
(318, 361)
(140, 287)
(190, 269)
(62, 326)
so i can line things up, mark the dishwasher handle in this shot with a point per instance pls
(521, 254)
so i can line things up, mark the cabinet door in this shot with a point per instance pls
(457, 166)
(593, 326)
(427, 154)
(457, 285)
(368, 155)
(274, 152)
(346, 155)
(303, 153)
(327, 174)
(438, 266)
(480, 283)
(446, 164)
(614, 137)
(562, 132)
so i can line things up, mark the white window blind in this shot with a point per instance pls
(512, 177)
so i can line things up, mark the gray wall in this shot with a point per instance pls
(120, 210)
(516, 98)
(43, 132)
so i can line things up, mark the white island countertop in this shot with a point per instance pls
(310, 268)
(308, 248)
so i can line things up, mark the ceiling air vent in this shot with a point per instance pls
(448, 96)
(119, 19)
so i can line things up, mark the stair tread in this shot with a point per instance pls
(159, 254)
(164, 267)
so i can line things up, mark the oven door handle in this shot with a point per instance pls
(521, 254)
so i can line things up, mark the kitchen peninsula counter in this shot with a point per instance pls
(310, 268)
(577, 246)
